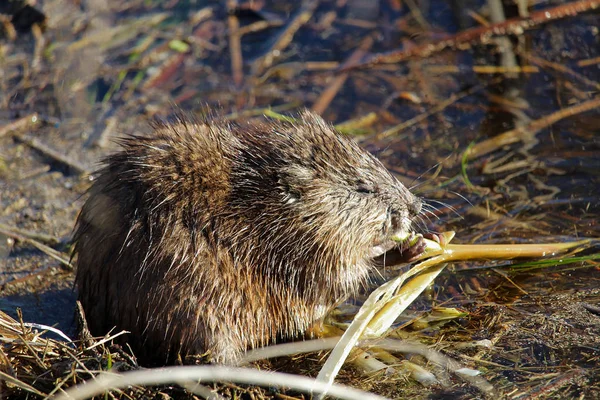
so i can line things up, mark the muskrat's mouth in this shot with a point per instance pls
(382, 248)
(387, 243)
(390, 252)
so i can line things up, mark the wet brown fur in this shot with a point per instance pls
(209, 236)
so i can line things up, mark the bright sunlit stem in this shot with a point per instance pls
(388, 301)
(436, 257)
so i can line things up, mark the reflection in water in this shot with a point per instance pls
(52, 307)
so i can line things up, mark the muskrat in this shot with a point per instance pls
(214, 237)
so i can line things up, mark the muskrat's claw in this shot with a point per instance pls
(439, 239)
(412, 252)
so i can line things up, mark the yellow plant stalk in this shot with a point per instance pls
(388, 301)
(429, 269)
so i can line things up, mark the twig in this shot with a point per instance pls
(208, 373)
(418, 15)
(39, 146)
(53, 154)
(545, 390)
(9, 28)
(57, 255)
(5, 377)
(235, 46)
(165, 71)
(260, 111)
(25, 278)
(330, 92)
(115, 36)
(561, 68)
(40, 45)
(588, 62)
(465, 39)
(591, 308)
(202, 15)
(481, 69)
(108, 338)
(505, 276)
(34, 172)
(85, 335)
(288, 70)
(19, 124)
(503, 44)
(61, 382)
(439, 107)
(356, 124)
(258, 26)
(285, 36)
(103, 137)
(49, 329)
(42, 237)
(34, 353)
(516, 135)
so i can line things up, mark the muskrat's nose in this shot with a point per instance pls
(398, 219)
(395, 220)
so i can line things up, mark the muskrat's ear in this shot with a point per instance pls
(293, 182)
(307, 134)
(299, 174)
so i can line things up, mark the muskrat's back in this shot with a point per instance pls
(212, 237)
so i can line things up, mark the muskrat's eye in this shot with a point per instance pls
(365, 188)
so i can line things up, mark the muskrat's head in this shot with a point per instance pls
(310, 204)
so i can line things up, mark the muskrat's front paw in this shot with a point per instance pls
(439, 239)
(411, 251)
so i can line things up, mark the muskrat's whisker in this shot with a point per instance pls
(448, 206)
(421, 222)
(426, 213)
(462, 197)
(412, 187)
(429, 209)
(426, 205)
